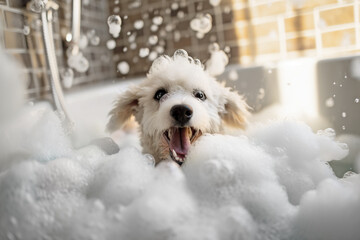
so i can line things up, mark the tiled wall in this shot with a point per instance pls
(256, 31)
(21, 37)
(173, 33)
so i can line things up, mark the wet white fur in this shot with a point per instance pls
(180, 77)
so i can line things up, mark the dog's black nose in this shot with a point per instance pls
(181, 113)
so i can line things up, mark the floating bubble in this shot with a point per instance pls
(200, 35)
(218, 60)
(116, 9)
(154, 28)
(356, 100)
(111, 44)
(68, 37)
(158, 20)
(123, 67)
(134, 4)
(78, 62)
(95, 40)
(86, 2)
(227, 49)
(177, 35)
(343, 127)
(37, 5)
(214, 3)
(329, 102)
(83, 42)
(202, 23)
(26, 30)
(144, 52)
(125, 49)
(343, 114)
(233, 75)
(153, 39)
(114, 23)
(261, 93)
(169, 27)
(175, 6)
(159, 49)
(153, 55)
(132, 37)
(138, 24)
(180, 14)
(90, 33)
(133, 46)
(67, 76)
(213, 47)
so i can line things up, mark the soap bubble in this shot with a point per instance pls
(26, 30)
(154, 28)
(329, 102)
(153, 55)
(111, 44)
(202, 23)
(133, 46)
(132, 37)
(153, 39)
(144, 52)
(158, 20)
(343, 114)
(233, 75)
(67, 76)
(180, 53)
(214, 3)
(95, 40)
(37, 5)
(177, 36)
(175, 6)
(138, 24)
(123, 67)
(114, 23)
(180, 14)
(356, 100)
(78, 62)
(218, 60)
(83, 42)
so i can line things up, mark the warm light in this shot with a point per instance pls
(298, 91)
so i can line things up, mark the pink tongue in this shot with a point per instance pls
(180, 141)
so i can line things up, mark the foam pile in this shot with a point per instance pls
(274, 183)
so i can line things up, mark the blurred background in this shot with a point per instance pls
(294, 56)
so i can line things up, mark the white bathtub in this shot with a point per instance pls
(88, 108)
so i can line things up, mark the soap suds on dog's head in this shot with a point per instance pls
(274, 183)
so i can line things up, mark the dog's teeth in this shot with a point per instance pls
(190, 132)
(174, 153)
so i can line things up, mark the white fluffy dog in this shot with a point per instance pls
(175, 105)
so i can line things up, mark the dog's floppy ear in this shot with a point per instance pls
(235, 109)
(125, 106)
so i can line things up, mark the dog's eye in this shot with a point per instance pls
(200, 95)
(159, 94)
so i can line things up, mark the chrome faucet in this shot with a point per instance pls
(46, 8)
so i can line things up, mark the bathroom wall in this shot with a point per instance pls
(254, 32)
(21, 37)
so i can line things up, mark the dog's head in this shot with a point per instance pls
(175, 105)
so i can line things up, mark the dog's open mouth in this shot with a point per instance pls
(179, 140)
